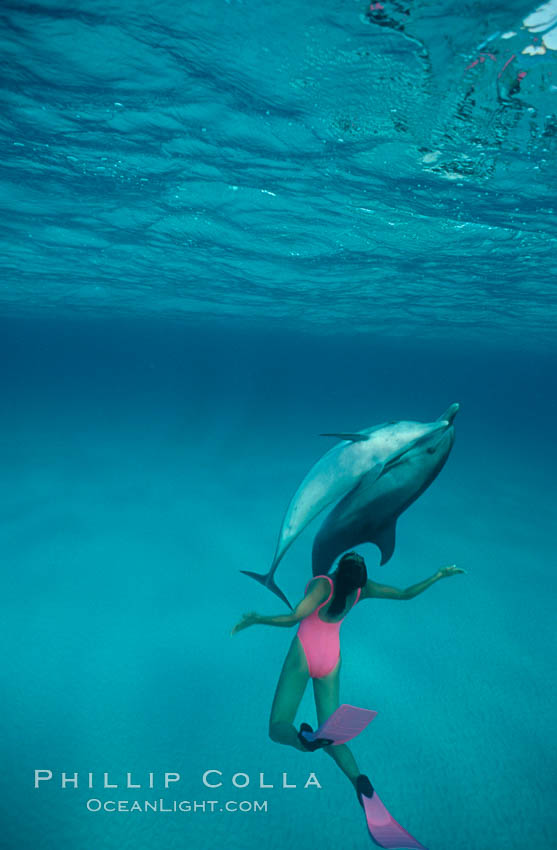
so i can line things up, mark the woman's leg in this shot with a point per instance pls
(290, 690)
(326, 692)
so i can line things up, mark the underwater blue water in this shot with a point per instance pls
(145, 464)
(228, 227)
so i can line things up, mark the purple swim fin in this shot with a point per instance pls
(343, 725)
(384, 830)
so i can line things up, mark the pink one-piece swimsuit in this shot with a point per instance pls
(320, 640)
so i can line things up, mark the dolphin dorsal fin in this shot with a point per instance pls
(385, 540)
(354, 438)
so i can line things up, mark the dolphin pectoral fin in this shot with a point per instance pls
(386, 540)
(267, 581)
(353, 438)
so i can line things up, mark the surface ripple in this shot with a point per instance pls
(318, 164)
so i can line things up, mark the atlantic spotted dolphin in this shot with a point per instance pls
(368, 514)
(340, 470)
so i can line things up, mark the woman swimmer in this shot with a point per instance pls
(315, 650)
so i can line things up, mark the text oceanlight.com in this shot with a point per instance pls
(189, 806)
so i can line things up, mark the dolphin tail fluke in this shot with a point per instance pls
(268, 581)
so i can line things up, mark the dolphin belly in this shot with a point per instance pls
(368, 514)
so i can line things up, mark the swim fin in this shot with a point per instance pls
(382, 827)
(343, 724)
(309, 739)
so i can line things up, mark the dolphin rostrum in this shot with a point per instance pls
(339, 471)
(368, 514)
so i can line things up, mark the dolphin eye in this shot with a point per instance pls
(431, 450)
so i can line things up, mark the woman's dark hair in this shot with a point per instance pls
(350, 573)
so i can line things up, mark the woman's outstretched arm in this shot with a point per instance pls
(373, 590)
(317, 594)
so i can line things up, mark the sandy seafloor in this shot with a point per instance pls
(143, 465)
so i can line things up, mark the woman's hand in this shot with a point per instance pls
(247, 620)
(453, 570)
